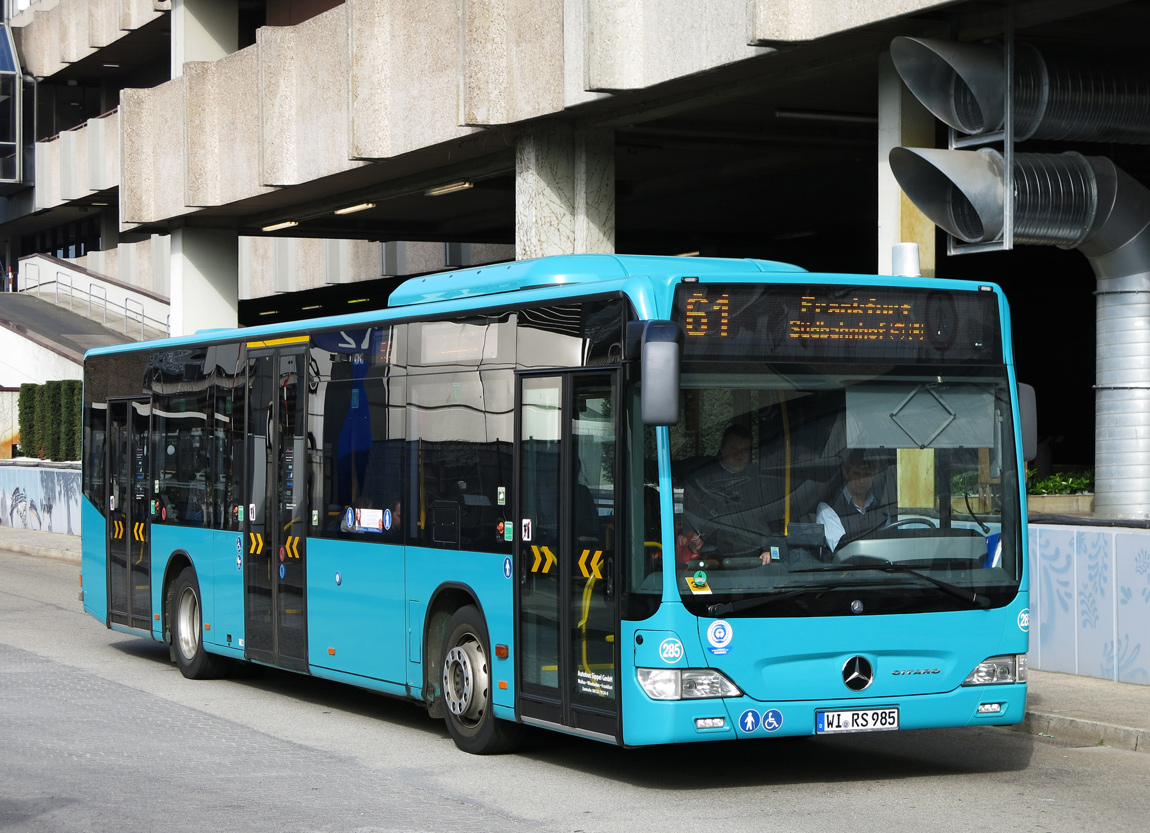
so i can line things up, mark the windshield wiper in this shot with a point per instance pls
(969, 596)
(723, 608)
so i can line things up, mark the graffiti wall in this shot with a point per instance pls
(40, 497)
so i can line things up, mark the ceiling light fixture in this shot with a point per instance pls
(825, 115)
(351, 209)
(449, 188)
(279, 226)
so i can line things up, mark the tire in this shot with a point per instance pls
(466, 681)
(185, 617)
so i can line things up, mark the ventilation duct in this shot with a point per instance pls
(1057, 95)
(1076, 202)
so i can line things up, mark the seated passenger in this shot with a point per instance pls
(725, 503)
(855, 511)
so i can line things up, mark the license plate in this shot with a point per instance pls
(856, 720)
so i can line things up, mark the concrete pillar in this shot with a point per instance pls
(902, 122)
(564, 192)
(204, 280)
(203, 30)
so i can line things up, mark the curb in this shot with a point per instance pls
(56, 553)
(1089, 732)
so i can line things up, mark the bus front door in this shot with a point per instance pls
(129, 491)
(567, 625)
(275, 597)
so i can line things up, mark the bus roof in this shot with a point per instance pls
(561, 270)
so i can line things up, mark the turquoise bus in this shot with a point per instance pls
(590, 493)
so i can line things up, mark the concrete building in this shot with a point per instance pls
(267, 159)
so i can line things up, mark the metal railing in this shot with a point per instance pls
(64, 282)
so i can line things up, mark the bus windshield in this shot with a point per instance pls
(821, 491)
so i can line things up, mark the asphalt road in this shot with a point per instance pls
(98, 731)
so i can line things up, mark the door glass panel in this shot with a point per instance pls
(139, 535)
(539, 533)
(258, 562)
(592, 485)
(291, 505)
(119, 453)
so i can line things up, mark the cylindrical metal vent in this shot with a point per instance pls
(1122, 398)
(1071, 201)
(1057, 95)
(962, 191)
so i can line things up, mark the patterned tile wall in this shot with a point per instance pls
(1090, 601)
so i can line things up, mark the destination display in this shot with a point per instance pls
(837, 323)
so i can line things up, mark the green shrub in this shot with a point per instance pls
(50, 420)
(1064, 483)
(26, 415)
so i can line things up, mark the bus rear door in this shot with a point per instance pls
(567, 621)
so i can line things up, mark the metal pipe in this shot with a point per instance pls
(1075, 202)
(1057, 94)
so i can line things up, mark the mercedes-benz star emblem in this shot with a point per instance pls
(857, 673)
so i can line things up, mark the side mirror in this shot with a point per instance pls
(1028, 421)
(660, 371)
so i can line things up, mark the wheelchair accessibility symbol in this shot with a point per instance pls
(772, 720)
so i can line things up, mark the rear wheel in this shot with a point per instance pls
(185, 615)
(466, 684)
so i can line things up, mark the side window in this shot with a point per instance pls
(228, 395)
(356, 421)
(460, 423)
(181, 454)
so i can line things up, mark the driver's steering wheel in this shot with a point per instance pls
(927, 522)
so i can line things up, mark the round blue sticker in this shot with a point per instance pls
(283, 571)
(772, 720)
(749, 720)
(507, 567)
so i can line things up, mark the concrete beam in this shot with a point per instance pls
(304, 99)
(786, 21)
(153, 170)
(512, 64)
(632, 44)
(223, 135)
(404, 90)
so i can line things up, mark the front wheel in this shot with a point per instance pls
(185, 616)
(466, 683)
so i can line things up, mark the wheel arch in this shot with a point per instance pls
(177, 561)
(445, 601)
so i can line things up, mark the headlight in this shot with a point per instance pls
(685, 684)
(997, 670)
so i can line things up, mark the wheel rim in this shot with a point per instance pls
(465, 680)
(188, 623)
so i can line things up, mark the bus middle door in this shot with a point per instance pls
(275, 591)
(567, 621)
